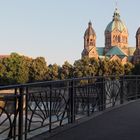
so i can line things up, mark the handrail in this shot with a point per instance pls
(51, 104)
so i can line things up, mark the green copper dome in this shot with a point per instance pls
(116, 23)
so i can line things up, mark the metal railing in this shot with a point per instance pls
(30, 109)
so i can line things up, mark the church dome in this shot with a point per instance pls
(116, 23)
(89, 31)
(138, 31)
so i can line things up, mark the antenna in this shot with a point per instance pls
(116, 4)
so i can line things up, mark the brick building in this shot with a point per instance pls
(116, 42)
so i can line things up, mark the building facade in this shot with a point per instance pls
(116, 42)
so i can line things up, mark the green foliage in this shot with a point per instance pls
(104, 67)
(15, 69)
(128, 68)
(53, 72)
(86, 67)
(38, 69)
(115, 68)
(66, 71)
(136, 69)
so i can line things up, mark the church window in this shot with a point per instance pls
(116, 38)
(123, 39)
(119, 39)
(91, 43)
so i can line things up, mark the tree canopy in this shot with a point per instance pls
(17, 69)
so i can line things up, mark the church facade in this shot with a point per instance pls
(116, 42)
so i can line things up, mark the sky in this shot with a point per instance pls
(54, 29)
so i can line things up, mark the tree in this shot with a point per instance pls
(66, 71)
(103, 67)
(86, 67)
(136, 69)
(16, 69)
(115, 67)
(128, 68)
(2, 72)
(38, 69)
(53, 72)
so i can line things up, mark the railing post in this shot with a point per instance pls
(50, 112)
(88, 99)
(102, 99)
(20, 105)
(72, 102)
(26, 111)
(15, 111)
(136, 87)
(122, 92)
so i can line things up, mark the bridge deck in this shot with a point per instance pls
(122, 123)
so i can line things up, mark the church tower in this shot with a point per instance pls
(136, 57)
(90, 43)
(116, 34)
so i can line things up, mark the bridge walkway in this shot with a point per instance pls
(122, 123)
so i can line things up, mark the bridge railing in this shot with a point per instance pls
(30, 109)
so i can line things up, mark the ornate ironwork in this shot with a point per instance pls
(34, 108)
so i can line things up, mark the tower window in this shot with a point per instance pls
(91, 43)
(118, 38)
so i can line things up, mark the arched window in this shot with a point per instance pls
(113, 38)
(119, 40)
(123, 39)
(116, 38)
(126, 39)
(91, 43)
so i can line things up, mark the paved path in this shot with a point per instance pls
(119, 124)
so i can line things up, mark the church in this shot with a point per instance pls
(116, 42)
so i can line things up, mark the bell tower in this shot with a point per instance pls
(90, 43)
(136, 57)
(116, 34)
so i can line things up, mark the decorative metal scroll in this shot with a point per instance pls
(112, 91)
(86, 99)
(41, 107)
(47, 107)
(8, 117)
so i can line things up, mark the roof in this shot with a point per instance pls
(4, 56)
(138, 31)
(116, 23)
(100, 51)
(115, 51)
(89, 31)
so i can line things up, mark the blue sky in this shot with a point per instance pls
(54, 29)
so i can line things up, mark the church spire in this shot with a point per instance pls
(89, 31)
(90, 42)
(89, 24)
(116, 15)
